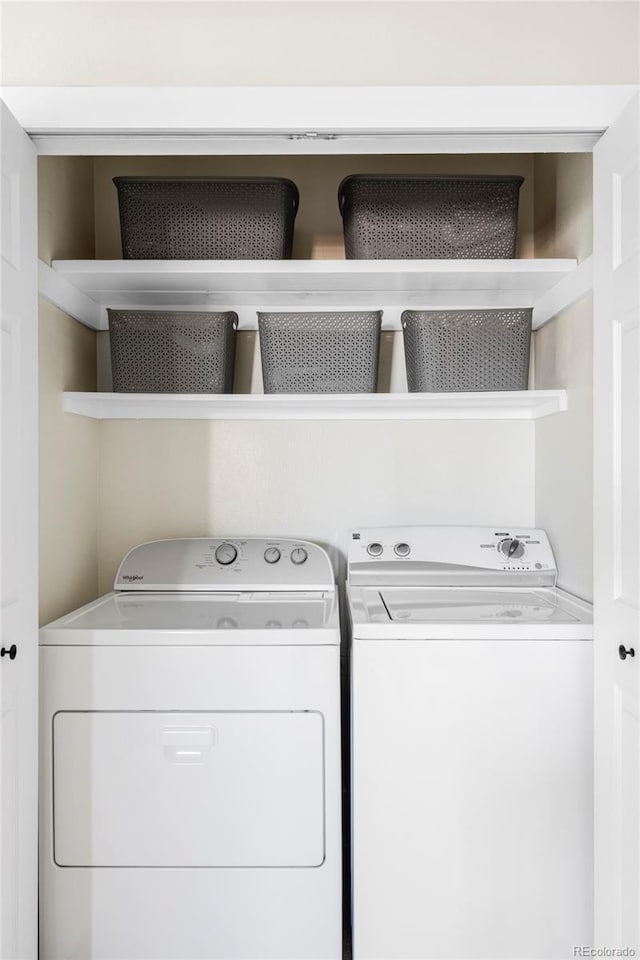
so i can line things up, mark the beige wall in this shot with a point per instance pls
(391, 42)
(313, 480)
(68, 444)
(563, 353)
(564, 446)
(563, 210)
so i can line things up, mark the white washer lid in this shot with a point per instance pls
(474, 606)
(473, 613)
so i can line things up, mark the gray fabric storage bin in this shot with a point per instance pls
(459, 350)
(429, 217)
(206, 218)
(172, 351)
(320, 352)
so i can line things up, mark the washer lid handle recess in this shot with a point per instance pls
(230, 563)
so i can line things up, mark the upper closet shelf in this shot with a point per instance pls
(85, 288)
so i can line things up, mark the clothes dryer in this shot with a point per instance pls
(190, 762)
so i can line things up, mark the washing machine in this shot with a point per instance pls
(471, 711)
(190, 759)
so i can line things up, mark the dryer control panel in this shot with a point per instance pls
(451, 556)
(222, 564)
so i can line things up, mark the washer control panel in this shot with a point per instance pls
(232, 563)
(451, 555)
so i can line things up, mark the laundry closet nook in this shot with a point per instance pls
(108, 484)
(212, 560)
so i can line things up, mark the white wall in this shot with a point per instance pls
(317, 43)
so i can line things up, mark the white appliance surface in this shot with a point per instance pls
(212, 564)
(252, 617)
(274, 811)
(471, 747)
(469, 613)
(190, 770)
(475, 606)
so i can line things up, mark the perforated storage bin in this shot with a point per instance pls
(429, 217)
(460, 350)
(172, 351)
(319, 352)
(206, 218)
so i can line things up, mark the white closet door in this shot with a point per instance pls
(617, 531)
(19, 537)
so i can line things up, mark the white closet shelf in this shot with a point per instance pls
(85, 288)
(517, 405)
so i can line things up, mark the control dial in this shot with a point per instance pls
(298, 555)
(226, 553)
(272, 554)
(511, 549)
(375, 549)
(402, 549)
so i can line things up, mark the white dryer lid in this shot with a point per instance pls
(266, 618)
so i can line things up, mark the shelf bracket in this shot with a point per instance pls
(568, 291)
(56, 289)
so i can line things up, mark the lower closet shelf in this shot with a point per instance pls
(517, 405)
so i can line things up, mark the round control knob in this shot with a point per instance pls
(298, 555)
(402, 549)
(375, 549)
(272, 554)
(511, 549)
(226, 553)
